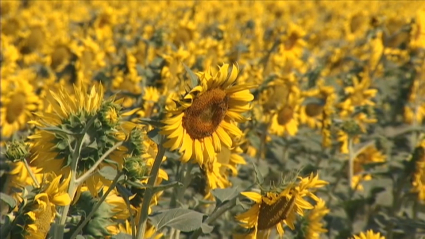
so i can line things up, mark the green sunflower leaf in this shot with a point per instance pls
(9, 200)
(151, 121)
(185, 220)
(155, 136)
(122, 236)
(58, 130)
(206, 228)
(163, 187)
(108, 172)
(224, 195)
(259, 177)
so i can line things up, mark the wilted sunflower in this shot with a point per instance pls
(205, 118)
(369, 235)
(276, 209)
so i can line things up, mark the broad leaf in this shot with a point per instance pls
(108, 172)
(224, 195)
(122, 236)
(193, 78)
(8, 199)
(155, 136)
(185, 220)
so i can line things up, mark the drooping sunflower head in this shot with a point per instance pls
(279, 207)
(205, 118)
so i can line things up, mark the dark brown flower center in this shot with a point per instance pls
(285, 115)
(205, 114)
(15, 108)
(313, 109)
(270, 215)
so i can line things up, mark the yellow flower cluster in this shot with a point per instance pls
(105, 103)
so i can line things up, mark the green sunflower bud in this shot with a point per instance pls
(351, 128)
(16, 151)
(110, 113)
(135, 168)
(135, 141)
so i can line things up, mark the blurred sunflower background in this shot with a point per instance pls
(212, 119)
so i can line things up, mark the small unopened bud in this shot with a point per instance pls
(351, 128)
(135, 141)
(110, 114)
(135, 168)
(16, 151)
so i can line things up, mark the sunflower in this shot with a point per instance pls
(369, 235)
(314, 218)
(276, 209)
(40, 210)
(10, 57)
(151, 97)
(359, 94)
(286, 119)
(414, 110)
(353, 128)
(368, 155)
(151, 232)
(127, 80)
(52, 150)
(205, 118)
(18, 103)
(417, 34)
(90, 57)
(64, 106)
(312, 112)
(290, 50)
(20, 177)
(218, 170)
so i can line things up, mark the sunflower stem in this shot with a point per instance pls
(96, 207)
(89, 172)
(31, 173)
(59, 230)
(149, 192)
(132, 222)
(187, 178)
(350, 162)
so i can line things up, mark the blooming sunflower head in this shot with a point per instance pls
(18, 102)
(205, 118)
(369, 235)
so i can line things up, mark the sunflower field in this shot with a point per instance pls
(212, 119)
